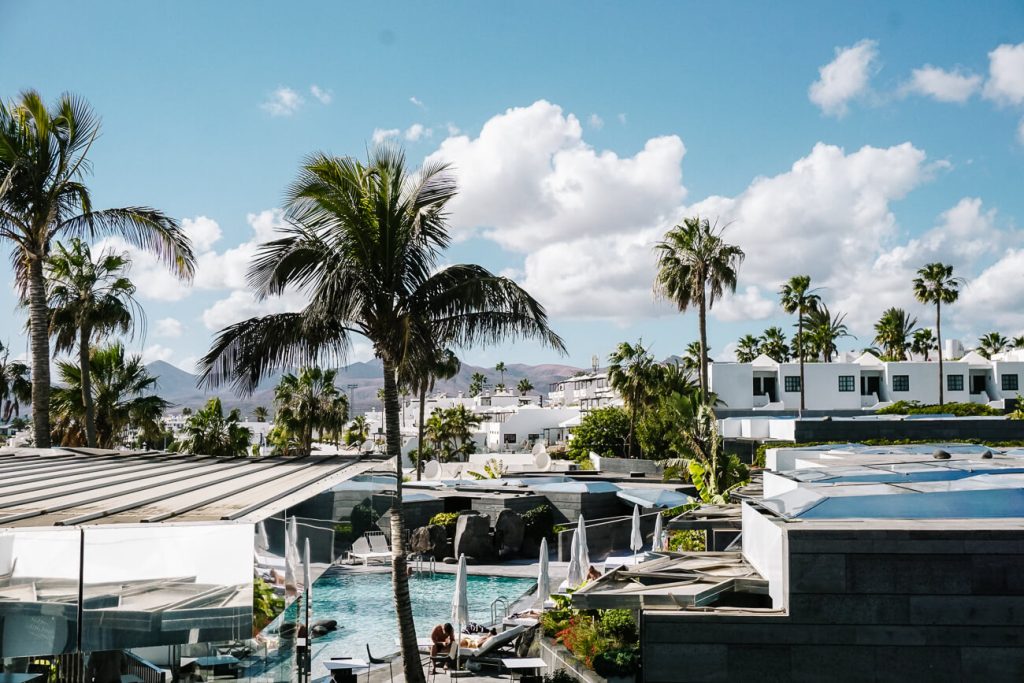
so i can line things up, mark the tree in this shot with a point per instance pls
(186, 411)
(747, 348)
(692, 357)
(450, 432)
(923, 342)
(632, 372)
(604, 431)
(210, 432)
(307, 403)
(122, 396)
(935, 284)
(476, 383)
(500, 369)
(892, 332)
(822, 330)
(359, 429)
(796, 296)
(695, 268)
(89, 299)
(365, 244)
(525, 386)
(773, 345)
(991, 343)
(260, 413)
(443, 364)
(15, 385)
(1017, 342)
(43, 158)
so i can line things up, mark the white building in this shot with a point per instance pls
(587, 391)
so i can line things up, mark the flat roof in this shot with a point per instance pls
(67, 487)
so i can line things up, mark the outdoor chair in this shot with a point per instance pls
(378, 542)
(444, 660)
(374, 660)
(361, 550)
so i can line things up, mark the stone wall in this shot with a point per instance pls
(864, 605)
(606, 536)
(917, 429)
(569, 506)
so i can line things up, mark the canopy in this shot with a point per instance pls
(584, 550)
(460, 601)
(659, 542)
(654, 498)
(636, 539)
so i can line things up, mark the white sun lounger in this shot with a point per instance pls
(378, 542)
(361, 550)
(492, 644)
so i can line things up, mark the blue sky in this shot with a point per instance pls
(580, 132)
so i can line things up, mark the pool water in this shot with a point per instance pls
(363, 605)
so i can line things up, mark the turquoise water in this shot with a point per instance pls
(363, 606)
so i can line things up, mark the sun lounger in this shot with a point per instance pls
(361, 550)
(492, 645)
(378, 542)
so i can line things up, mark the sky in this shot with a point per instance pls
(852, 142)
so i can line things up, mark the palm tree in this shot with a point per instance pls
(43, 158)
(823, 330)
(796, 296)
(476, 383)
(525, 386)
(461, 423)
(633, 373)
(260, 413)
(935, 284)
(210, 432)
(695, 267)
(364, 244)
(444, 365)
(991, 343)
(773, 344)
(500, 369)
(15, 385)
(307, 403)
(747, 348)
(923, 342)
(692, 357)
(1017, 342)
(359, 428)
(89, 299)
(122, 396)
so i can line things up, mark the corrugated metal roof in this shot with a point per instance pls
(61, 487)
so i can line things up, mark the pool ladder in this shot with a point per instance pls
(424, 566)
(500, 608)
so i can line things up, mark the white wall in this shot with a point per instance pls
(764, 548)
(734, 384)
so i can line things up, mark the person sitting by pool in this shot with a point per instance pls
(442, 638)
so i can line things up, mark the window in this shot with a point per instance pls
(954, 383)
(791, 383)
(901, 382)
(1009, 382)
(846, 383)
(510, 438)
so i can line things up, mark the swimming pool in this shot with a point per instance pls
(364, 608)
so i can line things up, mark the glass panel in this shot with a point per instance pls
(166, 584)
(38, 591)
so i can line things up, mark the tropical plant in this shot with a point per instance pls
(260, 413)
(89, 298)
(923, 342)
(604, 431)
(44, 162)
(477, 382)
(892, 331)
(692, 358)
(500, 369)
(991, 343)
(747, 348)
(208, 431)
(493, 469)
(957, 409)
(443, 364)
(450, 431)
(1017, 342)
(633, 373)
(796, 296)
(525, 386)
(936, 284)
(695, 268)
(773, 345)
(123, 397)
(822, 330)
(15, 385)
(364, 243)
(308, 403)
(186, 411)
(358, 429)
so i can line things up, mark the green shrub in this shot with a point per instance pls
(602, 431)
(957, 409)
(446, 519)
(619, 624)
(266, 604)
(539, 522)
(554, 621)
(688, 541)
(621, 662)
(343, 532)
(560, 676)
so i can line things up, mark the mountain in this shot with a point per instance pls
(179, 387)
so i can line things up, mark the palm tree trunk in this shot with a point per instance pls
(630, 440)
(411, 666)
(703, 320)
(39, 320)
(421, 428)
(87, 402)
(938, 337)
(800, 333)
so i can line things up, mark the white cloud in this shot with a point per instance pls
(168, 328)
(595, 122)
(748, 303)
(204, 232)
(157, 352)
(418, 102)
(241, 304)
(282, 102)
(382, 134)
(944, 86)
(845, 78)
(322, 94)
(416, 131)
(1005, 83)
(622, 119)
(452, 129)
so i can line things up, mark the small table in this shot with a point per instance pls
(343, 670)
(521, 664)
